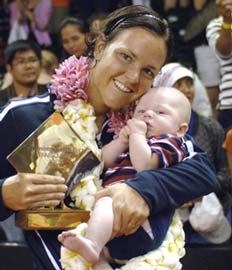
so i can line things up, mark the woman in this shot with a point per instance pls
(72, 35)
(123, 66)
(208, 135)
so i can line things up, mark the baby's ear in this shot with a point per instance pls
(99, 47)
(182, 129)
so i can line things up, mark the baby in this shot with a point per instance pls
(152, 139)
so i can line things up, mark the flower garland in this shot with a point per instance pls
(69, 84)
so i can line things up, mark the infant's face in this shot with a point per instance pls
(157, 111)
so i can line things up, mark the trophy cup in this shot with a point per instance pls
(54, 148)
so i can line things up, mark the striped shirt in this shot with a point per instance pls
(168, 147)
(225, 95)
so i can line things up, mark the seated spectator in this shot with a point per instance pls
(208, 134)
(200, 103)
(49, 62)
(23, 63)
(29, 20)
(72, 34)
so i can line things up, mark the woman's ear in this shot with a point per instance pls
(182, 129)
(99, 47)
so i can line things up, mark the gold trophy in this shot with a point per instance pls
(54, 148)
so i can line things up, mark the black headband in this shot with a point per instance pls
(123, 19)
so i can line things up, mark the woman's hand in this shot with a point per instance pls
(28, 191)
(130, 209)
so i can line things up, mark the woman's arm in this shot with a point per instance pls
(169, 188)
(155, 191)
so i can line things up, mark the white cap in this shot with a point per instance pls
(207, 218)
(170, 74)
(221, 234)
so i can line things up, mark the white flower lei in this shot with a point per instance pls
(69, 84)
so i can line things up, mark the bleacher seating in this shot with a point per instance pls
(208, 257)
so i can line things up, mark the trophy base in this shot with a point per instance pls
(49, 219)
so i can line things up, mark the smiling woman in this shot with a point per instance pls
(124, 57)
(133, 70)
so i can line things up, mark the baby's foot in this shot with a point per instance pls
(63, 235)
(83, 246)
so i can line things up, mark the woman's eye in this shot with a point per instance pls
(149, 73)
(126, 57)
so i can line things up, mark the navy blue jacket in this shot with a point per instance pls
(163, 189)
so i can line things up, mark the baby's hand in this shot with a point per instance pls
(137, 126)
(124, 135)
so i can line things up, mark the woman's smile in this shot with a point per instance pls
(122, 87)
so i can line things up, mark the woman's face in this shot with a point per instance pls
(73, 40)
(186, 86)
(126, 67)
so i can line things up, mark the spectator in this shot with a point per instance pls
(200, 102)
(48, 64)
(29, 20)
(23, 63)
(72, 33)
(220, 39)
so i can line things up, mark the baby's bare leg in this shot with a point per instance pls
(98, 232)
(102, 264)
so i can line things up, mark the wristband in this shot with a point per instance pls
(227, 26)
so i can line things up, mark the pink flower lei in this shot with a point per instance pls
(70, 82)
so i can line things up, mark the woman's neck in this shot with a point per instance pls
(95, 98)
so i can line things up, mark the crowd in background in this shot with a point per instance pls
(57, 29)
